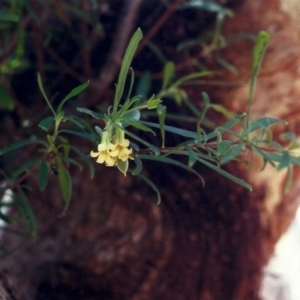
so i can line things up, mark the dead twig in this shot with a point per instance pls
(158, 25)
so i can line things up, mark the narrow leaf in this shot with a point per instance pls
(190, 77)
(258, 54)
(161, 112)
(65, 183)
(152, 185)
(90, 136)
(137, 36)
(27, 212)
(24, 167)
(87, 160)
(17, 145)
(137, 125)
(90, 112)
(43, 175)
(72, 94)
(122, 166)
(179, 131)
(172, 162)
(133, 115)
(289, 180)
(169, 72)
(77, 122)
(40, 84)
(285, 161)
(6, 101)
(6, 16)
(192, 156)
(46, 123)
(139, 165)
(232, 154)
(150, 146)
(226, 174)
(264, 123)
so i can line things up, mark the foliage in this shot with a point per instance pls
(235, 140)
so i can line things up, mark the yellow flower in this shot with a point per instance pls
(104, 151)
(108, 152)
(121, 151)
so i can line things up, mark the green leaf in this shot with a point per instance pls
(65, 183)
(131, 85)
(137, 36)
(77, 122)
(221, 109)
(90, 136)
(266, 156)
(192, 156)
(92, 113)
(223, 147)
(69, 160)
(190, 77)
(87, 160)
(122, 166)
(17, 145)
(72, 94)
(290, 136)
(263, 123)
(98, 130)
(289, 180)
(226, 174)
(153, 103)
(137, 125)
(139, 165)
(133, 115)
(6, 16)
(161, 112)
(172, 162)
(6, 102)
(65, 144)
(43, 175)
(150, 146)
(169, 73)
(225, 64)
(258, 54)
(285, 161)
(46, 123)
(27, 212)
(152, 185)
(179, 131)
(124, 110)
(40, 84)
(23, 168)
(232, 154)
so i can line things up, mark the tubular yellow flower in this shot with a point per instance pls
(104, 151)
(121, 150)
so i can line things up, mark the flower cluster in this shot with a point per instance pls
(110, 150)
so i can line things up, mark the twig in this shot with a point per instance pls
(64, 65)
(158, 25)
